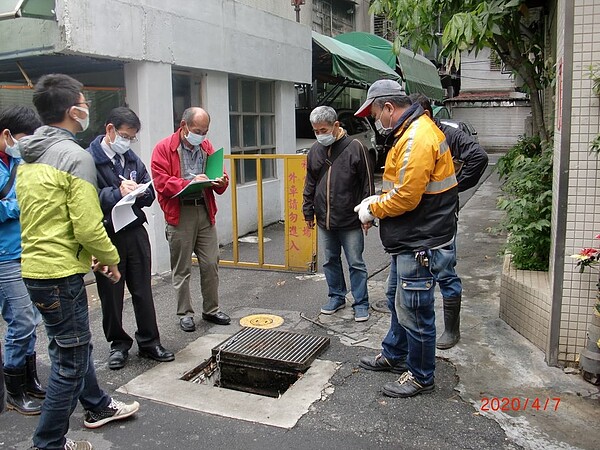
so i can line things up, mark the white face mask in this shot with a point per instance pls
(14, 151)
(326, 139)
(384, 131)
(120, 145)
(194, 139)
(84, 123)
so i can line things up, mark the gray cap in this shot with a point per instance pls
(381, 88)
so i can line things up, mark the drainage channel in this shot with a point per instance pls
(259, 361)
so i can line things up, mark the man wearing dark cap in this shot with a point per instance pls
(417, 228)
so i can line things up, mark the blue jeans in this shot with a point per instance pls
(411, 337)
(450, 283)
(64, 307)
(19, 314)
(353, 243)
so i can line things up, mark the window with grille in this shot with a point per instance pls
(496, 64)
(495, 61)
(384, 28)
(252, 126)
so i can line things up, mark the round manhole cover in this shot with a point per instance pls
(261, 321)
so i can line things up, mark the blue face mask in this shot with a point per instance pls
(14, 150)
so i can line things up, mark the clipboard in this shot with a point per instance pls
(214, 170)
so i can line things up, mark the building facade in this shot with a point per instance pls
(237, 59)
(490, 100)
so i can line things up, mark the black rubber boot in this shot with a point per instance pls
(1, 383)
(17, 398)
(451, 333)
(33, 386)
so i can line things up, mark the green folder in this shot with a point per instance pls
(214, 170)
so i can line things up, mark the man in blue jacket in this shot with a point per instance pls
(120, 171)
(17, 310)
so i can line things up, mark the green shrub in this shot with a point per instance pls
(526, 172)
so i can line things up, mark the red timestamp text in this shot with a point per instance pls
(519, 404)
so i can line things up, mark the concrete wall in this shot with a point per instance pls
(498, 123)
(217, 35)
(576, 191)
(476, 76)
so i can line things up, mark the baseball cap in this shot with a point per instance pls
(381, 88)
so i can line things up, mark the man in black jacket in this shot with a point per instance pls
(470, 162)
(338, 177)
(120, 171)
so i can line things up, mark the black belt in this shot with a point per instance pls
(193, 201)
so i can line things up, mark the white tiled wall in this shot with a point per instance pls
(583, 204)
(525, 302)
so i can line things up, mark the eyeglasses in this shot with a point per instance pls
(87, 102)
(130, 139)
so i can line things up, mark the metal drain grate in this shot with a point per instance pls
(265, 361)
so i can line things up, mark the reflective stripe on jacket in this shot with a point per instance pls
(418, 207)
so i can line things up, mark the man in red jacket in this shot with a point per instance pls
(176, 161)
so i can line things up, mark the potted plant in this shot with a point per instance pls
(589, 360)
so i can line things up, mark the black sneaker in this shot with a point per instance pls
(406, 386)
(381, 363)
(114, 411)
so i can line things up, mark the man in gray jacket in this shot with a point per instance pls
(338, 178)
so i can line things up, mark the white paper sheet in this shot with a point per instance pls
(122, 214)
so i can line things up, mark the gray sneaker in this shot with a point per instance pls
(381, 363)
(77, 445)
(406, 386)
(114, 411)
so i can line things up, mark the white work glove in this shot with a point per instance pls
(364, 215)
(371, 199)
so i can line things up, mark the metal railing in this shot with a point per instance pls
(300, 247)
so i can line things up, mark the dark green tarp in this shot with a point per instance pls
(345, 61)
(39, 9)
(418, 72)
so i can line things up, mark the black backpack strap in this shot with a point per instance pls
(9, 184)
(329, 161)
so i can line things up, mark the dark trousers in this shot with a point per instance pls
(135, 267)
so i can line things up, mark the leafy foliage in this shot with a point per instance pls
(508, 27)
(595, 145)
(595, 77)
(526, 171)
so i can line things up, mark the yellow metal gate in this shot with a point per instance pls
(300, 242)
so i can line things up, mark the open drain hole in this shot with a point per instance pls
(202, 374)
(245, 378)
(259, 361)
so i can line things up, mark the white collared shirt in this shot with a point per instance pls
(111, 153)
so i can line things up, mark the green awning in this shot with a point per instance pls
(347, 62)
(418, 72)
(38, 9)
(420, 75)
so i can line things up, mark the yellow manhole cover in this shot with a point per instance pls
(261, 321)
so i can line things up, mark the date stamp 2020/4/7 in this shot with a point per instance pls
(519, 404)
